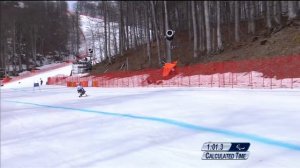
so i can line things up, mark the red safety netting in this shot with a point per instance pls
(275, 72)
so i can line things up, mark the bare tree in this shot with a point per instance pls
(105, 32)
(14, 54)
(251, 23)
(115, 39)
(213, 20)
(268, 13)
(189, 20)
(34, 38)
(168, 43)
(156, 31)
(194, 28)
(121, 29)
(207, 27)
(219, 35)
(291, 10)
(109, 35)
(127, 26)
(77, 28)
(277, 12)
(99, 35)
(147, 28)
(201, 25)
(91, 27)
(237, 20)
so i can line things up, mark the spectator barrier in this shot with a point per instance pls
(274, 72)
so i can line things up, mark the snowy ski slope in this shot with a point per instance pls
(146, 127)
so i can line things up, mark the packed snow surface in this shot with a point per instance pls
(50, 126)
(146, 127)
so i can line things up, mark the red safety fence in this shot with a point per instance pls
(57, 80)
(34, 72)
(275, 72)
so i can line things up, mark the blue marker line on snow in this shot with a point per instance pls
(183, 125)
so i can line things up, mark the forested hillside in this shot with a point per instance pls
(34, 33)
(131, 34)
(204, 31)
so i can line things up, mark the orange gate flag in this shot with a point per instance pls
(168, 67)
